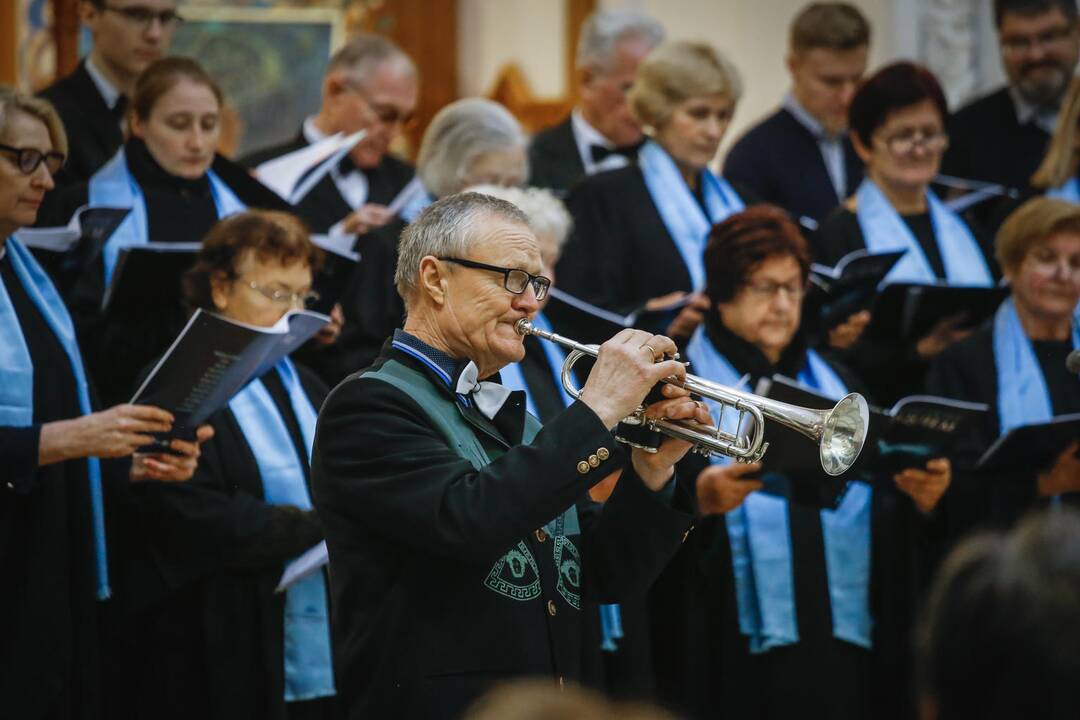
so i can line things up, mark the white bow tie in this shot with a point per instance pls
(488, 396)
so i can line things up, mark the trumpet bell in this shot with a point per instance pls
(844, 434)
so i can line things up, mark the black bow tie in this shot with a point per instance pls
(600, 153)
(119, 108)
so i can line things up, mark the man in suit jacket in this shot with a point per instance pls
(370, 85)
(800, 157)
(601, 132)
(127, 35)
(461, 538)
(1002, 137)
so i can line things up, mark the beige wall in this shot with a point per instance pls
(753, 33)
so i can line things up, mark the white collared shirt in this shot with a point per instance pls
(831, 146)
(1044, 118)
(353, 186)
(585, 135)
(108, 92)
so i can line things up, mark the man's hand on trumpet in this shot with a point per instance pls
(627, 367)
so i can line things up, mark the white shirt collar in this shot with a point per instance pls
(1045, 118)
(108, 92)
(585, 136)
(311, 132)
(808, 121)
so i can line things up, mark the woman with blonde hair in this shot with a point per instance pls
(639, 231)
(60, 458)
(1057, 175)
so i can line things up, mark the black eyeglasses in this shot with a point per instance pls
(144, 17)
(28, 160)
(514, 280)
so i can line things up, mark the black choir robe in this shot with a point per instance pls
(57, 650)
(620, 253)
(554, 160)
(93, 129)
(780, 162)
(371, 306)
(118, 345)
(324, 207)
(413, 529)
(703, 662)
(890, 372)
(968, 371)
(210, 627)
(987, 142)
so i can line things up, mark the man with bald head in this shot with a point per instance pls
(462, 540)
(370, 84)
(601, 132)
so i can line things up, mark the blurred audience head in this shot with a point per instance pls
(1038, 248)
(827, 55)
(176, 111)
(756, 265)
(469, 142)
(897, 121)
(610, 48)
(543, 700)
(1062, 159)
(34, 149)
(254, 267)
(129, 35)
(685, 95)
(548, 216)
(1040, 46)
(999, 634)
(372, 85)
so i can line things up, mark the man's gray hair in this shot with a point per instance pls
(604, 28)
(365, 53)
(446, 228)
(459, 134)
(547, 215)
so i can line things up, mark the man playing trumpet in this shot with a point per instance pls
(460, 534)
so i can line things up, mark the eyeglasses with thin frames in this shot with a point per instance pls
(143, 17)
(28, 160)
(514, 280)
(1020, 44)
(767, 290)
(906, 142)
(285, 297)
(385, 114)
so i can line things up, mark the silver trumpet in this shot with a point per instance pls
(839, 432)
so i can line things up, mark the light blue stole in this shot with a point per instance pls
(1023, 398)
(884, 230)
(308, 670)
(679, 209)
(413, 198)
(760, 535)
(1068, 191)
(512, 377)
(17, 378)
(114, 186)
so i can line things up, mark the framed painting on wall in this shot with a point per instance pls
(269, 62)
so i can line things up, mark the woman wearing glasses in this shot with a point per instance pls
(796, 597)
(217, 641)
(1017, 363)
(897, 121)
(639, 231)
(56, 484)
(166, 174)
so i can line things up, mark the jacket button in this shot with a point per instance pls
(541, 536)
(594, 461)
(551, 608)
(603, 453)
(583, 467)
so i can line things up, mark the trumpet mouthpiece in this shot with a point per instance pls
(523, 326)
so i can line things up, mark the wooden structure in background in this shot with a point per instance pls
(512, 89)
(9, 58)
